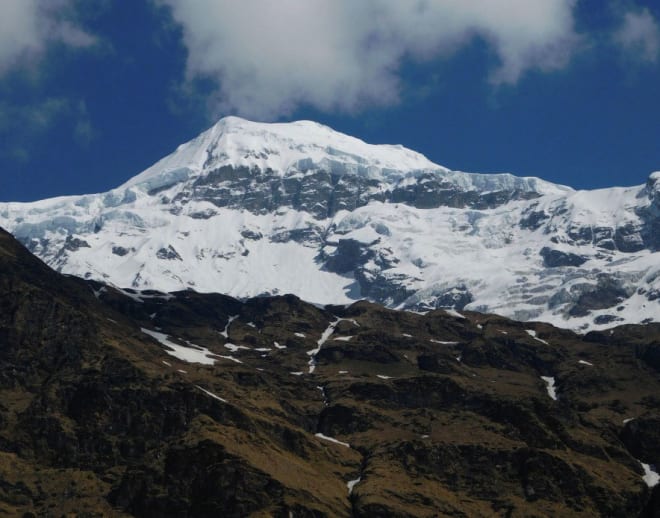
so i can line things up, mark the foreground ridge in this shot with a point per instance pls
(125, 402)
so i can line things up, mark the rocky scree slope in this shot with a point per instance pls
(253, 209)
(135, 403)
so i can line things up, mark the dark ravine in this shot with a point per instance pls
(445, 416)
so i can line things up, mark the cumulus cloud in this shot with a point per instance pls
(27, 26)
(639, 35)
(269, 57)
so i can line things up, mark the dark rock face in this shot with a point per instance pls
(581, 235)
(606, 319)
(318, 192)
(203, 480)
(607, 293)
(642, 438)
(251, 235)
(168, 254)
(433, 414)
(533, 219)
(431, 191)
(73, 244)
(628, 238)
(324, 193)
(350, 255)
(556, 258)
(390, 289)
(207, 214)
(456, 297)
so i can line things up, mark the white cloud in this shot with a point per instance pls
(271, 56)
(27, 26)
(639, 34)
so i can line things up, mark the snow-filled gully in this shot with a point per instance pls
(192, 353)
(550, 386)
(312, 353)
(324, 338)
(225, 332)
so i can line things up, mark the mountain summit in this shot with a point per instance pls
(253, 209)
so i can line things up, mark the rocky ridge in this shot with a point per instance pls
(125, 402)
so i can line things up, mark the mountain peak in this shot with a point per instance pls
(283, 147)
(252, 208)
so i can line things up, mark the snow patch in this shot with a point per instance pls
(191, 353)
(208, 393)
(651, 477)
(351, 484)
(234, 348)
(225, 332)
(550, 382)
(319, 343)
(331, 439)
(532, 333)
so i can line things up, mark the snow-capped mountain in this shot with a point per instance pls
(250, 208)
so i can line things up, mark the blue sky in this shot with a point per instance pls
(91, 93)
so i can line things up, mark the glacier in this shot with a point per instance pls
(251, 209)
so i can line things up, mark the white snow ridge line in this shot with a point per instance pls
(452, 312)
(214, 396)
(343, 338)
(332, 439)
(532, 333)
